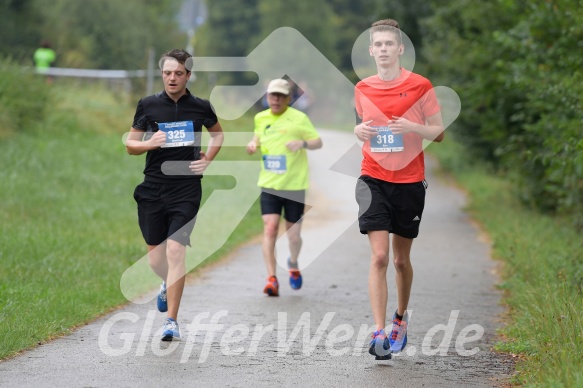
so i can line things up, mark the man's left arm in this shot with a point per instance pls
(213, 148)
(312, 144)
(215, 142)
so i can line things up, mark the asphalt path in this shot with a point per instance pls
(235, 336)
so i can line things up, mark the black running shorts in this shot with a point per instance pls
(168, 211)
(395, 207)
(291, 202)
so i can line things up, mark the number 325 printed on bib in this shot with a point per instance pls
(178, 134)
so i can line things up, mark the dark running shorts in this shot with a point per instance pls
(395, 207)
(167, 210)
(291, 202)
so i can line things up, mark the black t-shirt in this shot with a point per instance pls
(160, 108)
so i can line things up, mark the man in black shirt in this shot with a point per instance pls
(168, 126)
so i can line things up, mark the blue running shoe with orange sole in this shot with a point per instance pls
(379, 346)
(398, 337)
(295, 277)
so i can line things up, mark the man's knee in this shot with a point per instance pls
(401, 262)
(157, 254)
(270, 229)
(380, 259)
(175, 251)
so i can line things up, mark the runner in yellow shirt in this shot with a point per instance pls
(43, 57)
(283, 135)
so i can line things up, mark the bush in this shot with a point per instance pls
(517, 67)
(24, 98)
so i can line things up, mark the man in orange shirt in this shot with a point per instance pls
(396, 110)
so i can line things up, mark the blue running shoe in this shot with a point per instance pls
(171, 330)
(162, 299)
(398, 337)
(295, 277)
(379, 345)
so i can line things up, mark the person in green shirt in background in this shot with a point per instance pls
(283, 134)
(43, 57)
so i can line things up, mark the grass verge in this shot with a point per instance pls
(542, 260)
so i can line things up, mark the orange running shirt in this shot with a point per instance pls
(410, 96)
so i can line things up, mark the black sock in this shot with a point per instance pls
(399, 317)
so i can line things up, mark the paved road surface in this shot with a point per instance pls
(316, 336)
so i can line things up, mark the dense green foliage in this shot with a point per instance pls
(18, 111)
(20, 31)
(99, 34)
(331, 26)
(517, 68)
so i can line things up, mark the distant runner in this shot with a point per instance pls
(283, 134)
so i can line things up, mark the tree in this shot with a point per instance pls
(230, 29)
(19, 29)
(517, 67)
(102, 34)
(311, 19)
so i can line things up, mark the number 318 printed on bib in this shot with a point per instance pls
(386, 141)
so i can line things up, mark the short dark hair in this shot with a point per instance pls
(386, 25)
(180, 55)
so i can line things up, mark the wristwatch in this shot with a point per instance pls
(305, 144)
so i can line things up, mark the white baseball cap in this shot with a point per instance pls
(278, 86)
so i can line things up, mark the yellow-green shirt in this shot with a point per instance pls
(273, 133)
(43, 57)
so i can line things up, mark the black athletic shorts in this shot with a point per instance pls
(168, 210)
(395, 207)
(291, 202)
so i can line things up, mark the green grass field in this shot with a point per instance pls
(542, 275)
(68, 225)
